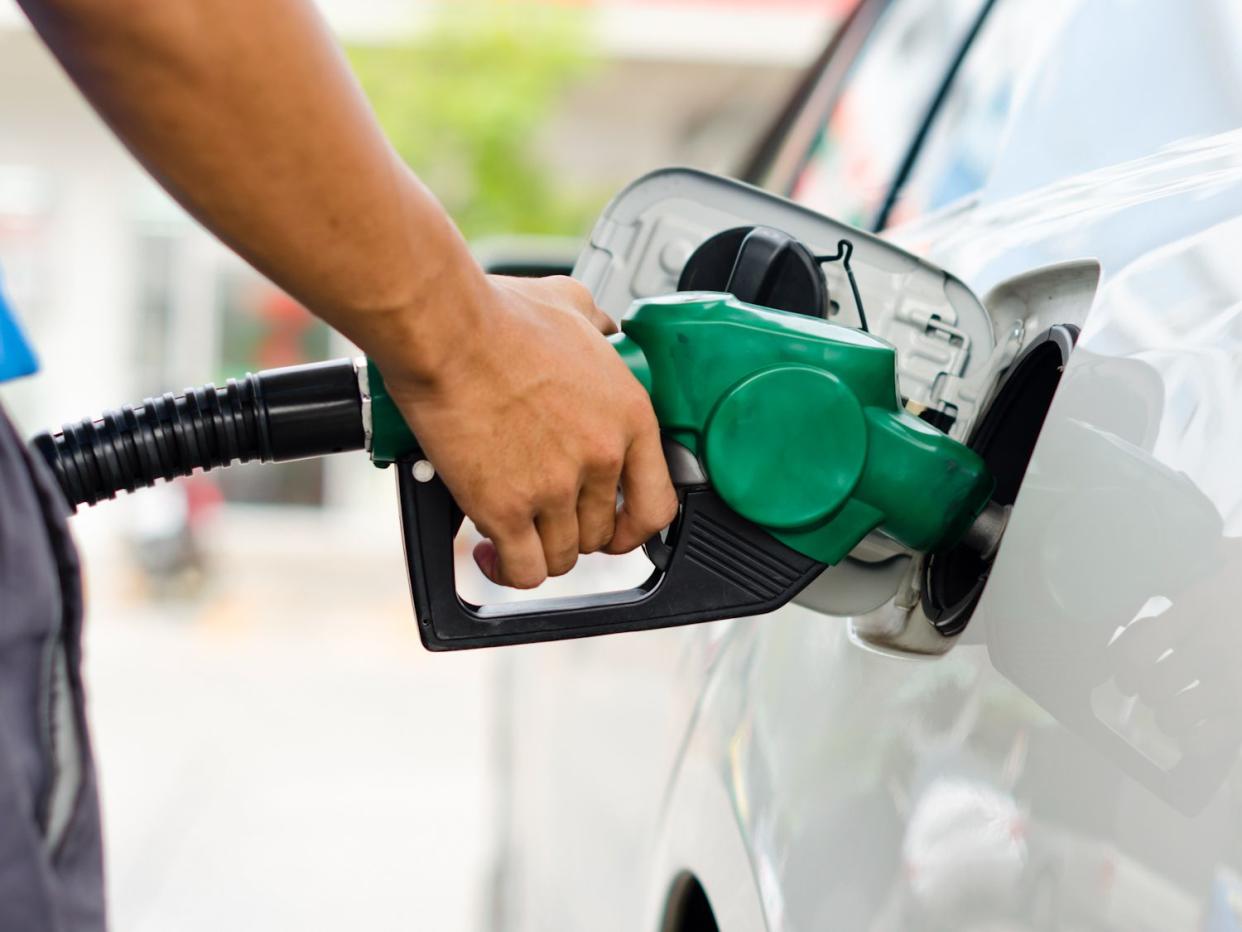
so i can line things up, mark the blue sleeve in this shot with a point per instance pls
(16, 356)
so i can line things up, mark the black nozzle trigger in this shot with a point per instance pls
(711, 564)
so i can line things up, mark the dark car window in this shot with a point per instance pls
(968, 128)
(885, 98)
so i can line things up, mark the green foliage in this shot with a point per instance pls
(463, 102)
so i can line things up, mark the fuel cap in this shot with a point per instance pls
(759, 265)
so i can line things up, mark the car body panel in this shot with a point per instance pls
(1072, 762)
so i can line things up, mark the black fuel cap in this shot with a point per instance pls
(759, 265)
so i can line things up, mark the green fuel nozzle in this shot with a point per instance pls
(800, 427)
(796, 423)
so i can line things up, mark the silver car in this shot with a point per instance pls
(1049, 740)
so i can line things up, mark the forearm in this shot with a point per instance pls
(246, 112)
(249, 116)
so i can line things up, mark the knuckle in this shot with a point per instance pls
(559, 488)
(562, 563)
(510, 515)
(596, 530)
(638, 408)
(593, 538)
(523, 578)
(641, 417)
(659, 515)
(595, 542)
(606, 458)
(669, 510)
(574, 288)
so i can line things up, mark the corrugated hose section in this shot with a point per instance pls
(273, 416)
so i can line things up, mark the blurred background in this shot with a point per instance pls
(276, 750)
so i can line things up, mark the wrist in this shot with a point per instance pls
(431, 319)
(413, 343)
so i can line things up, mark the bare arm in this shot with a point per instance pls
(247, 113)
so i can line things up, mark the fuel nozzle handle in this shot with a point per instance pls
(788, 445)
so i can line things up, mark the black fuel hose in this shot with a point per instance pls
(272, 416)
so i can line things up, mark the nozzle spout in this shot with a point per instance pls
(984, 535)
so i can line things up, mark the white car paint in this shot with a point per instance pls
(1092, 706)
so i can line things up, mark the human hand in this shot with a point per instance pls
(533, 422)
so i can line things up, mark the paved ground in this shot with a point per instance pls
(280, 754)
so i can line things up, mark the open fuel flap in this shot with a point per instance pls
(1038, 316)
(982, 371)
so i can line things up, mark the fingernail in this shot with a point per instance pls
(485, 558)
